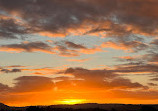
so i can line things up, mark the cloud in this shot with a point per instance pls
(11, 29)
(89, 74)
(37, 71)
(123, 22)
(109, 28)
(152, 84)
(58, 17)
(83, 78)
(27, 47)
(64, 51)
(27, 90)
(33, 84)
(73, 45)
(136, 68)
(66, 48)
(10, 70)
(146, 63)
(154, 79)
(151, 58)
(82, 83)
(69, 49)
(45, 70)
(125, 83)
(26, 84)
(129, 46)
(146, 59)
(155, 42)
(125, 58)
(102, 79)
(3, 87)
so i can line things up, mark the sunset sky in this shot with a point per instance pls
(78, 51)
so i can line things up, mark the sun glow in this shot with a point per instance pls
(71, 101)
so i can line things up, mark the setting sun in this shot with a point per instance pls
(71, 101)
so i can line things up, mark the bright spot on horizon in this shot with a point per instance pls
(71, 101)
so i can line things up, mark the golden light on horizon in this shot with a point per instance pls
(71, 101)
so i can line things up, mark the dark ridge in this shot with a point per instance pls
(3, 105)
(83, 107)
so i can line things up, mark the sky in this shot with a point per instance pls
(78, 51)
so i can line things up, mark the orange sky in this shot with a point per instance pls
(78, 51)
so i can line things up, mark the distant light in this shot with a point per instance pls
(71, 101)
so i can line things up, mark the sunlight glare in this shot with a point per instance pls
(71, 101)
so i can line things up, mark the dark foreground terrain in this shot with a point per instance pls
(83, 107)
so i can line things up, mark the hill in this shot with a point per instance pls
(83, 107)
(3, 106)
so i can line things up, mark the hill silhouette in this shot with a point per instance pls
(83, 107)
(3, 106)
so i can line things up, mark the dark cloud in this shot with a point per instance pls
(125, 58)
(64, 51)
(9, 28)
(63, 48)
(27, 47)
(69, 49)
(49, 15)
(139, 16)
(131, 46)
(26, 84)
(16, 70)
(73, 45)
(152, 57)
(102, 78)
(98, 30)
(3, 87)
(125, 83)
(140, 68)
(152, 84)
(11, 70)
(90, 74)
(147, 62)
(111, 29)
(155, 42)
(33, 84)
(154, 79)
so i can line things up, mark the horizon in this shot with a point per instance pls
(78, 51)
(83, 104)
(84, 107)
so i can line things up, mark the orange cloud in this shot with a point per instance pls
(27, 47)
(129, 46)
(91, 50)
(118, 46)
(36, 90)
(49, 34)
(90, 85)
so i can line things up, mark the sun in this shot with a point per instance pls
(71, 101)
